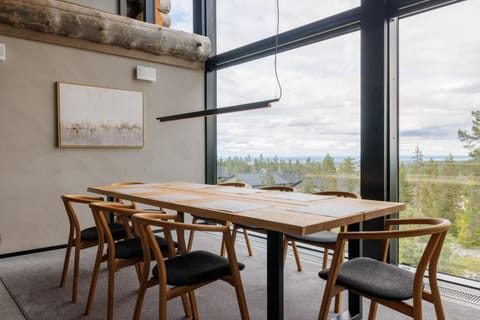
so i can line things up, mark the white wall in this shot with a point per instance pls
(34, 172)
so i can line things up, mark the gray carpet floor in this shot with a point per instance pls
(33, 280)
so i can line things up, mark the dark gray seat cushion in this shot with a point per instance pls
(132, 248)
(375, 278)
(195, 267)
(117, 230)
(318, 237)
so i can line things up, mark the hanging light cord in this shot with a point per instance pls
(276, 49)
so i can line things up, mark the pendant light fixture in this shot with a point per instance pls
(240, 107)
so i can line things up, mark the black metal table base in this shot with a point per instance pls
(274, 275)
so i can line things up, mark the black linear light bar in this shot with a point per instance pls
(214, 112)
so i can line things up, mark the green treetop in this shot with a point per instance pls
(471, 139)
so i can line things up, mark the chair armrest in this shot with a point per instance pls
(80, 198)
(423, 226)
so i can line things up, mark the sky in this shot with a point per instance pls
(319, 111)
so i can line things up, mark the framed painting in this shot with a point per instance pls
(92, 116)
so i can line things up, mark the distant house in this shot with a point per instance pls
(256, 180)
(293, 179)
(222, 174)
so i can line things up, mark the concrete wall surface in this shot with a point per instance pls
(35, 172)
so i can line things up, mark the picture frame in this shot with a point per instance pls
(99, 117)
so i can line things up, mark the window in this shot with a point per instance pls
(308, 140)
(439, 89)
(246, 21)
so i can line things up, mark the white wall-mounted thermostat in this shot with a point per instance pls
(146, 73)
(3, 54)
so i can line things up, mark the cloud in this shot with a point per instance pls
(468, 88)
(319, 112)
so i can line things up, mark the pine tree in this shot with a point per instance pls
(471, 139)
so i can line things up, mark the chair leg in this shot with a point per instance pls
(338, 297)
(186, 306)
(162, 307)
(297, 256)
(372, 313)
(417, 307)
(76, 268)
(285, 249)
(437, 302)
(140, 297)
(223, 248)
(242, 301)
(93, 283)
(325, 258)
(247, 241)
(66, 262)
(337, 307)
(325, 306)
(193, 305)
(111, 291)
(190, 236)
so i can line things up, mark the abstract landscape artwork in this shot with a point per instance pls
(92, 116)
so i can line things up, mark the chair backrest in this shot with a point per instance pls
(122, 212)
(232, 184)
(143, 223)
(278, 188)
(68, 201)
(435, 228)
(341, 194)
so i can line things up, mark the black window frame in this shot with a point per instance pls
(379, 156)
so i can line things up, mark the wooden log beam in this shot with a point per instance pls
(72, 21)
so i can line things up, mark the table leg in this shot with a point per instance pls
(274, 275)
(354, 250)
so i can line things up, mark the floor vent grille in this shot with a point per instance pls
(470, 296)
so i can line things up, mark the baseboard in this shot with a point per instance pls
(21, 253)
(61, 246)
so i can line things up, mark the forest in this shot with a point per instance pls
(434, 188)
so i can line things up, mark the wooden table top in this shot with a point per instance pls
(287, 212)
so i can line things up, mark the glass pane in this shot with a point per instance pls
(242, 22)
(181, 14)
(310, 139)
(439, 90)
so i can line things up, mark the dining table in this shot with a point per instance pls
(277, 212)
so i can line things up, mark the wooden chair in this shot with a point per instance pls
(182, 274)
(81, 239)
(202, 220)
(120, 254)
(385, 283)
(324, 239)
(232, 184)
(278, 188)
(246, 228)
